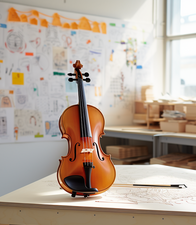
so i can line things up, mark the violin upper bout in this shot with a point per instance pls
(65, 136)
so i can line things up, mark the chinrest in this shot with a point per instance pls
(77, 184)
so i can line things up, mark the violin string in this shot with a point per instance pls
(84, 120)
(81, 118)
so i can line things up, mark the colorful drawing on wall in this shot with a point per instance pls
(52, 128)
(70, 86)
(6, 99)
(29, 122)
(3, 125)
(98, 91)
(15, 15)
(37, 50)
(66, 40)
(131, 52)
(6, 124)
(15, 42)
(5, 102)
(41, 61)
(59, 58)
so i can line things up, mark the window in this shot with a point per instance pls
(181, 47)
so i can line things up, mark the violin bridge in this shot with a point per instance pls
(87, 150)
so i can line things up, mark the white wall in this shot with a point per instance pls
(23, 163)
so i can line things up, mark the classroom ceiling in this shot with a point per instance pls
(137, 10)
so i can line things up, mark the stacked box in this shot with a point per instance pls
(126, 151)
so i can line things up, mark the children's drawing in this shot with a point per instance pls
(41, 61)
(44, 88)
(97, 41)
(6, 125)
(29, 122)
(70, 87)
(115, 33)
(81, 53)
(59, 58)
(52, 36)
(52, 128)
(46, 48)
(6, 98)
(84, 38)
(15, 42)
(57, 106)
(33, 90)
(21, 101)
(5, 102)
(1, 54)
(67, 41)
(42, 104)
(25, 63)
(3, 125)
(57, 89)
(131, 51)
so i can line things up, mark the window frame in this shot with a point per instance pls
(168, 48)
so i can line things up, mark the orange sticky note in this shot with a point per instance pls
(29, 53)
(1, 61)
(11, 92)
(17, 78)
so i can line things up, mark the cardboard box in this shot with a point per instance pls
(126, 151)
(173, 126)
(140, 108)
(190, 128)
(181, 160)
(140, 118)
(191, 112)
(130, 161)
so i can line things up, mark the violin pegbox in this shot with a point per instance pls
(77, 65)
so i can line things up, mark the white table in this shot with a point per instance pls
(43, 202)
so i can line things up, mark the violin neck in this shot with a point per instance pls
(85, 129)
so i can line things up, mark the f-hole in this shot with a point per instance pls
(95, 144)
(74, 152)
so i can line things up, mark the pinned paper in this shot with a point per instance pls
(17, 78)
(29, 53)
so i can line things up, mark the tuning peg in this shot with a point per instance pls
(86, 74)
(71, 74)
(87, 80)
(71, 79)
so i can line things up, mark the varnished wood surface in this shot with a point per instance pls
(46, 194)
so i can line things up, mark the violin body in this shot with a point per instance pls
(103, 174)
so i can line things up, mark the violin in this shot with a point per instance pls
(85, 170)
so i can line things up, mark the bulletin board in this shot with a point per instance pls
(37, 50)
